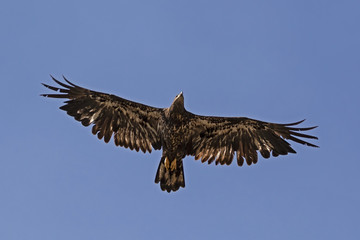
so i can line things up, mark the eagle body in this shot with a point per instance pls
(173, 129)
(177, 132)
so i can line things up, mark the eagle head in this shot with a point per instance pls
(178, 103)
(179, 99)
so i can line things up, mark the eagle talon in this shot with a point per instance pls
(173, 165)
(167, 163)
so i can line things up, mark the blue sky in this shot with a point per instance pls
(278, 61)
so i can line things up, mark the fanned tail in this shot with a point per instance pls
(170, 174)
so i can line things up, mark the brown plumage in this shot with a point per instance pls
(178, 132)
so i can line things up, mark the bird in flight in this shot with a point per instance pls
(176, 131)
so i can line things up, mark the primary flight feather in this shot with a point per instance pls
(176, 131)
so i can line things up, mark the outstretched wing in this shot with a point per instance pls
(218, 139)
(134, 125)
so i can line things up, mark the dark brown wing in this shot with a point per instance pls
(218, 139)
(134, 125)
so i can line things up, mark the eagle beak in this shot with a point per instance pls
(179, 95)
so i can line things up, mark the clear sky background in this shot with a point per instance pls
(278, 61)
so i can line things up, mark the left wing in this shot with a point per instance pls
(134, 125)
(219, 138)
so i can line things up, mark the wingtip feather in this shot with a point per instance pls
(292, 124)
(69, 81)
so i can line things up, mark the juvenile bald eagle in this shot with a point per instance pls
(178, 132)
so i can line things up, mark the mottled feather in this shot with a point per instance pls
(223, 137)
(132, 124)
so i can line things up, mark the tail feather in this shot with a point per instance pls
(170, 174)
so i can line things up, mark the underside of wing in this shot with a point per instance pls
(218, 139)
(132, 124)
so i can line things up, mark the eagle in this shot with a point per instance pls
(176, 131)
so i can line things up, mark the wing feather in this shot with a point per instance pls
(219, 138)
(132, 124)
